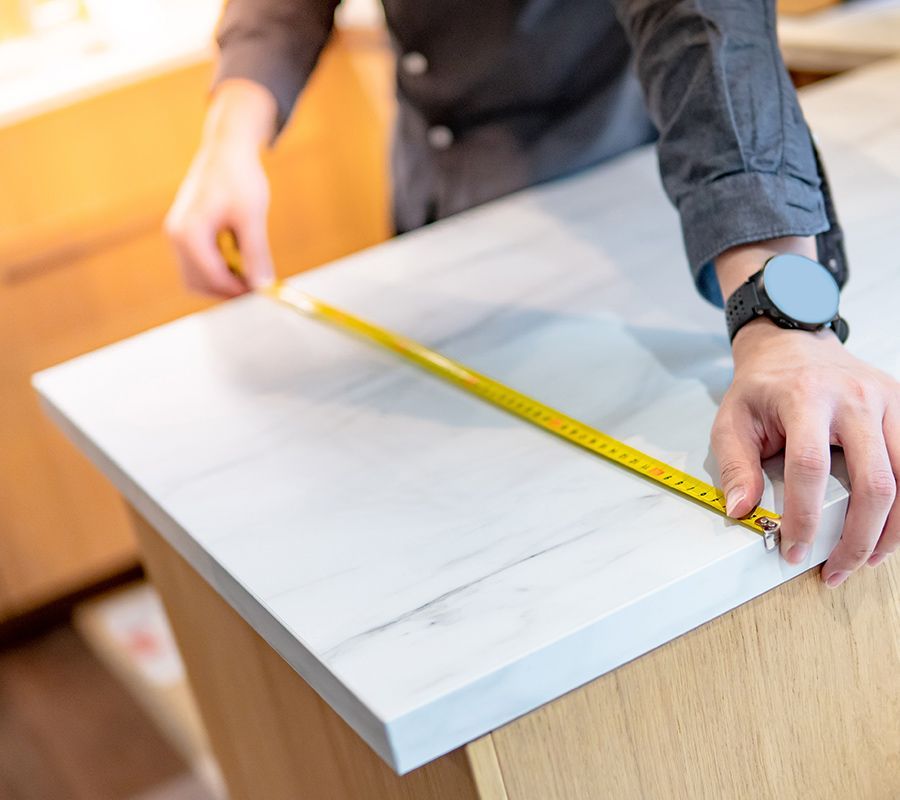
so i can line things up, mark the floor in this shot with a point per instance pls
(69, 731)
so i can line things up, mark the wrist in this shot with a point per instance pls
(763, 333)
(736, 264)
(805, 298)
(241, 117)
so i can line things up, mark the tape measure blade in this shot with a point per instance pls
(521, 405)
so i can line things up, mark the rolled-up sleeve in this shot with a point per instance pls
(275, 43)
(735, 154)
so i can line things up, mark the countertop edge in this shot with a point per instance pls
(752, 569)
(305, 663)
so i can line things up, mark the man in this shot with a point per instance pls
(495, 95)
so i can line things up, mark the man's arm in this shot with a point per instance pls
(268, 48)
(274, 43)
(738, 162)
(735, 154)
(803, 392)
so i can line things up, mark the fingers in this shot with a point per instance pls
(807, 464)
(225, 188)
(253, 242)
(806, 392)
(201, 262)
(889, 542)
(737, 449)
(873, 489)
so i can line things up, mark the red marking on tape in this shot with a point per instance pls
(655, 471)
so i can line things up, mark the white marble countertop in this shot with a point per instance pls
(841, 37)
(433, 567)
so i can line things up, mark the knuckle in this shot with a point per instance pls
(850, 557)
(855, 548)
(719, 435)
(731, 471)
(860, 554)
(861, 395)
(720, 427)
(879, 484)
(174, 227)
(805, 521)
(807, 390)
(859, 389)
(183, 230)
(810, 462)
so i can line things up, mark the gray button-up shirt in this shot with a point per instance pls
(495, 95)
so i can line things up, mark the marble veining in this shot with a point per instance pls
(432, 566)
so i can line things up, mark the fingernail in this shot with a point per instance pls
(836, 579)
(733, 500)
(876, 558)
(795, 553)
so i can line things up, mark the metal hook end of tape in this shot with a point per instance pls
(771, 532)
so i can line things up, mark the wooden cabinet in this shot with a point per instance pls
(83, 263)
(804, 6)
(790, 695)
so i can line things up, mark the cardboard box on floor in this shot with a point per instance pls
(128, 630)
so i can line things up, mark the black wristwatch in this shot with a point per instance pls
(794, 292)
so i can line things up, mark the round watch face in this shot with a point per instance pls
(802, 289)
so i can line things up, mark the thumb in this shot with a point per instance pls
(737, 450)
(256, 256)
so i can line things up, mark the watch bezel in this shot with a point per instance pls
(766, 306)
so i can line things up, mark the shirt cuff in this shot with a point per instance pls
(264, 62)
(742, 208)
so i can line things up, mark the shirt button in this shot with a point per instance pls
(414, 63)
(440, 137)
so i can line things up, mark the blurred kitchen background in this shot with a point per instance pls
(101, 104)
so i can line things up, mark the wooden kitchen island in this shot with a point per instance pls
(383, 588)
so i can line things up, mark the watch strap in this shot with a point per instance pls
(841, 328)
(745, 305)
(741, 306)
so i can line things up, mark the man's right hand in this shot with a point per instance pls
(226, 188)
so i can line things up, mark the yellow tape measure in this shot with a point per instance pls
(760, 521)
